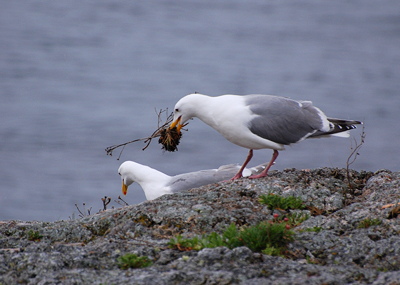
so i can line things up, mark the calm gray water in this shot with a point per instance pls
(78, 76)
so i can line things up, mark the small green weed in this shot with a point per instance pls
(273, 251)
(295, 219)
(131, 260)
(291, 219)
(186, 244)
(313, 229)
(368, 223)
(34, 235)
(311, 260)
(279, 202)
(266, 235)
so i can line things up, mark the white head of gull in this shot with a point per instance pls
(259, 121)
(155, 183)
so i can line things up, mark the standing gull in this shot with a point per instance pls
(155, 183)
(259, 121)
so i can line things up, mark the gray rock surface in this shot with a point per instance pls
(331, 247)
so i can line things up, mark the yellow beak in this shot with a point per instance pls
(124, 188)
(177, 124)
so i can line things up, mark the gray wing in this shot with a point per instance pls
(283, 120)
(195, 179)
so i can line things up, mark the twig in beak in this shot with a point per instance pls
(109, 150)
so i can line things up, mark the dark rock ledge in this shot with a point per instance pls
(85, 251)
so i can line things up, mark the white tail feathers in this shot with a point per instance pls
(345, 134)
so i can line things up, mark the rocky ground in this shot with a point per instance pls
(338, 244)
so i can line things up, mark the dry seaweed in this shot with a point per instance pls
(169, 138)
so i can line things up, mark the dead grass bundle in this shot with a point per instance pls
(170, 138)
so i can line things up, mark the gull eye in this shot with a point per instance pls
(119, 174)
(176, 110)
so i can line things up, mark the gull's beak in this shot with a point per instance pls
(177, 124)
(124, 188)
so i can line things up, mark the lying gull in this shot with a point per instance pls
(259, 121)
(155, 183)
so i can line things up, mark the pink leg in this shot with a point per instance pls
(239, 174)
(265, 171)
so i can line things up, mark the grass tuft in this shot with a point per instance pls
(282, 203)
(34, 235)
(366, 223)
(269, 237)
(131, 260)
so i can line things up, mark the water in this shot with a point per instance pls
(78, 76)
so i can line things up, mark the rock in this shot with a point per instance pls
(351, 237)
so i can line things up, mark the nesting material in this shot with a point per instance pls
(169, 138)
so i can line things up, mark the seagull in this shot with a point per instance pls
(259, 121)
(155, 183)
